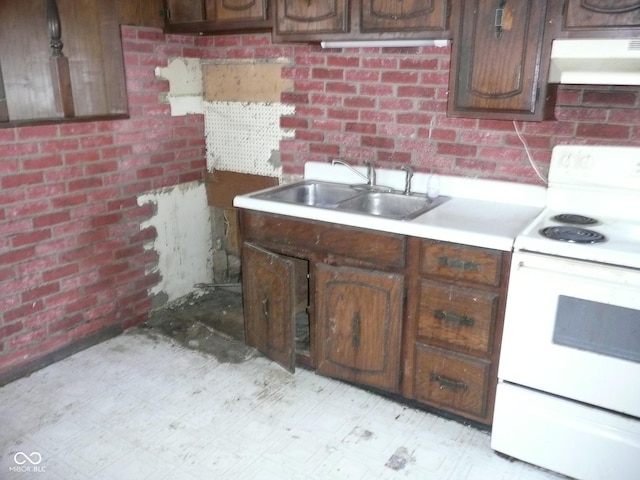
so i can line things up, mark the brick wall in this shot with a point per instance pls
(389, 106)
(72, 260)
(71, 250)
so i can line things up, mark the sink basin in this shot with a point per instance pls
(391, 205)
(363, 199)
(315, 194)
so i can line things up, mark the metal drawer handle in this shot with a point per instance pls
(453, 317)
(457, 263)
(448, 382)
(499, 18)
(355, 329)
(265, 307)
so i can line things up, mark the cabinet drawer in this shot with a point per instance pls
(450, 382)
(460, 262)
(455, 317)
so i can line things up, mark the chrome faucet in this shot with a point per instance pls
(370, 177)
(407, 181)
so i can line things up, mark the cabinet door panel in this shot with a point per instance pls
(236, 10)
(360, 322)
(403, 15)
(183, 11)
(311, 16)
(496, 63)
(601, 14)
(269, 295)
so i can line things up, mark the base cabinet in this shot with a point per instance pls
(417, 318)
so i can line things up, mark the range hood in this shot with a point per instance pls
(595, 61)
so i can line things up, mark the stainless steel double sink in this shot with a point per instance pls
(363, 199)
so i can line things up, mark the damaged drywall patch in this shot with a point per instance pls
(185, 85)
(183, 240)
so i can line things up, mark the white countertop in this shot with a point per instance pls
(481, 213)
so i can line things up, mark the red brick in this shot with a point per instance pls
(359, 102)
(41, 291)
(367, 128)
(418, 91)
(8, 330)
(69, 200)
(376, 89)
(342, 114)
(293, 122)
(342, 61)
(414, 118)
(610, 98)
(399, 77)
(29, 238)
(59, 272)
(17, 149)
(85, 183)
(42, 162)
(37, 132)
(108, 219)
(62, 145)
(23, 311)
(327, 73)
(380, 62)
(456, 149)
(362, 76)
(21, 179)
(378, 142)
(341, 87)
(16, 255)
(324, 148)
(81, 157)
(615, 132)
(72, 129)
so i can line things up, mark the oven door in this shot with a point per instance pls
(572, 328)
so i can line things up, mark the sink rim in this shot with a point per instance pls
(355, 193)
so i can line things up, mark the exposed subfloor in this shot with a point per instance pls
(181, 398)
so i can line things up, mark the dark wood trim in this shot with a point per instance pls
(4, 110)
(58, 120)
(66, 351)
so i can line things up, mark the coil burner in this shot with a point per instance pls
(574, 219)
(572, 234)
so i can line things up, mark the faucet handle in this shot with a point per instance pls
(371, 172)
(407, 182)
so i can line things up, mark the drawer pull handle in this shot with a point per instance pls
(265, 307)
(448, 382)
(355, 330)
(453, 317)
(459, 264)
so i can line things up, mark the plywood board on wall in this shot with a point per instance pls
(244, 82)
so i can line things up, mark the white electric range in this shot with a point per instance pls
(568, 396)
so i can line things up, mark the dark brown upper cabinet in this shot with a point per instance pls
(216, 16)
(317, 20)
(500, 59)
(142, 13)
(60, 60)
(600, 18)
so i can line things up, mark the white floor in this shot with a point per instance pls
(141, 407)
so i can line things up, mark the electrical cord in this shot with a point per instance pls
(526, 149)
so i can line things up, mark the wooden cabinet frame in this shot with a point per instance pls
(364, 293)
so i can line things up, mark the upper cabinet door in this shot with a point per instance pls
(85, 79)
(184, 11)
(497, 68)
(237, 10)
(607, 17)
(311, 16)
(403, 15)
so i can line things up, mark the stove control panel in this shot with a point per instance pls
(596, 166)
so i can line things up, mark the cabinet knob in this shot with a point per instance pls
(453, 317)
(448, 382)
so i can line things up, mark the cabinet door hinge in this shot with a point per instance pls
(165, 13)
